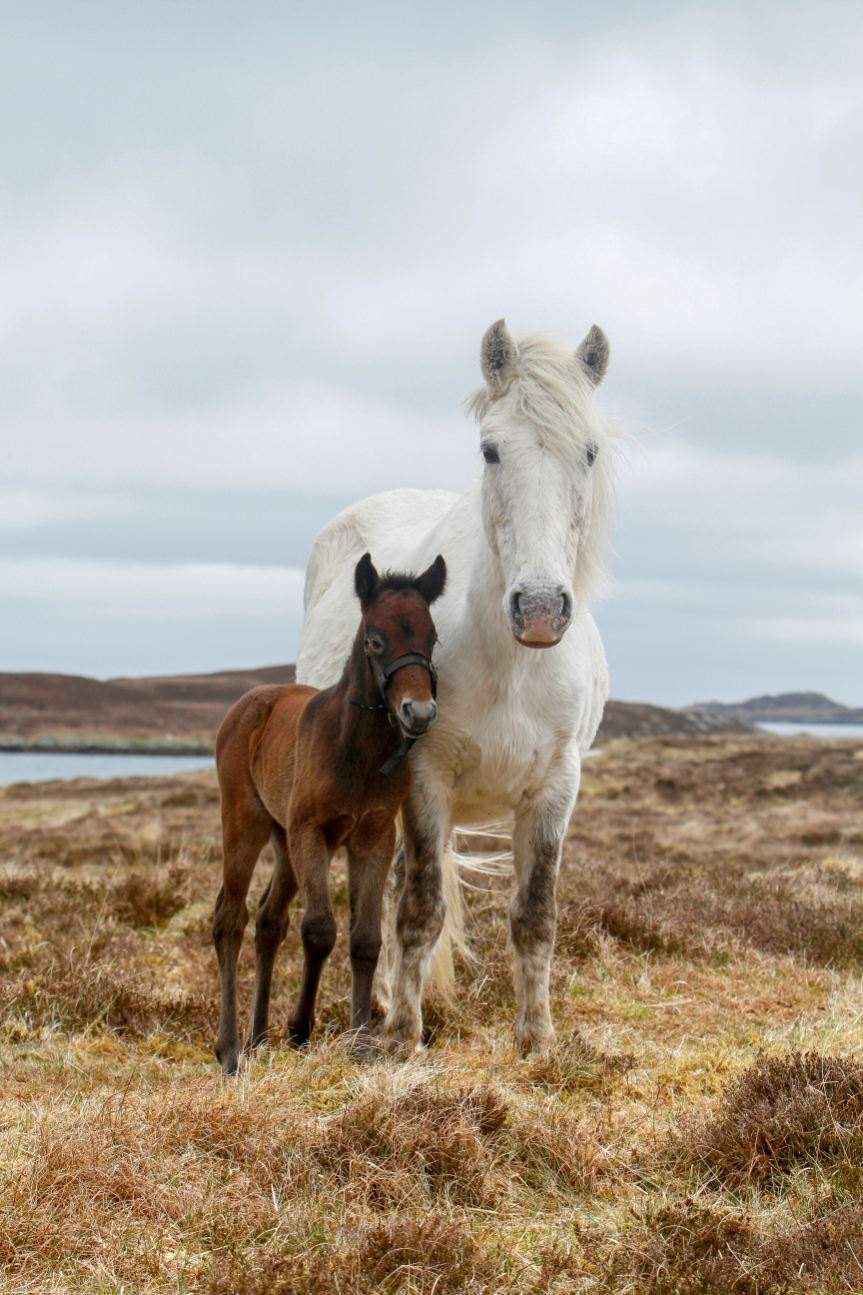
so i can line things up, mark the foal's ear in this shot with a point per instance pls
(431, 583)
(498, 356)
(366, 580)
(592, 354)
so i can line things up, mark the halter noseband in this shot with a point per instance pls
(383, 677)
(383, 674)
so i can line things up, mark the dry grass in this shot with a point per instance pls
(697, 1127)
(87, 997)
(430, 1255)
(782, 1114)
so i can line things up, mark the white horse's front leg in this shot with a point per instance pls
(536, 845)
(420, 915)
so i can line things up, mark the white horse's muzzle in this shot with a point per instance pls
(539, 616)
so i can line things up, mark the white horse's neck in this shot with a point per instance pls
(481, 627)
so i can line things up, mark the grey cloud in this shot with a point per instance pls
(263, 243)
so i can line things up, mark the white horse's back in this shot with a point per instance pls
(390, 526)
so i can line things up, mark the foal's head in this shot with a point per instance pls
(397, 623)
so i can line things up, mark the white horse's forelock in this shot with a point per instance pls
(552, 390)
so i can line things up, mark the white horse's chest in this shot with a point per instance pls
(491, 751)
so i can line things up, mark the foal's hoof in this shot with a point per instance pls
(362, 1045)
(298, 1034)
(230, 1065)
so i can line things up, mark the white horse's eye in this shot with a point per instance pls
(490, 454)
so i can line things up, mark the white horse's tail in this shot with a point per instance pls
(497, 863)
(452, 935)
(455, 863)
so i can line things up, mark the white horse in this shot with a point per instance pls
(523, 550)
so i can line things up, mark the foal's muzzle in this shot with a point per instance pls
(416, 717)
(539, 616)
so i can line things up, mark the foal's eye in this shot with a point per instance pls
(490, 454)
(375, 645)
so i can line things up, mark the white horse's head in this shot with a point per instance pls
(547, 476)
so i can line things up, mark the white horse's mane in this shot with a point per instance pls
(553, 390)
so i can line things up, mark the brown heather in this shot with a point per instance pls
(781, 1114)
(696, 1129)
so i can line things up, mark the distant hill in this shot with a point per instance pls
(793, 707)
(183, 712)
(178, 712)
(638, 719)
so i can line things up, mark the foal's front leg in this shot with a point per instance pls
(310, 858)
(420, 916)
(368, 865)
(537, 842)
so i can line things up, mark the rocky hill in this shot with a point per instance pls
(182, 713)
(793, 707)
(638, 719)
(174, 713)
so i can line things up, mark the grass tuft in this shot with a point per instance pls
(93, 996)
(783, 1113)
(140, 900)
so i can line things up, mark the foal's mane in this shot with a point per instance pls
(396, 581)
(554, 393)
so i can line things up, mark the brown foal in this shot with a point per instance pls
(312, 771)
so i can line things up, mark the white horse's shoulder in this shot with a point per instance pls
(597, 690)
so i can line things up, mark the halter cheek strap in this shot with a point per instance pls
(383, 675)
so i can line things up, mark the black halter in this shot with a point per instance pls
(383, 675)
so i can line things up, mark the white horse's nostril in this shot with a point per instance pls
(540, 614)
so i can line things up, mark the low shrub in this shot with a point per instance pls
(780, 1114)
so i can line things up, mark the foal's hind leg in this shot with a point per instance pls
(245, 830)
(311, 861)
(270, 929)
(368, 866)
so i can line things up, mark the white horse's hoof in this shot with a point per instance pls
(534, 1040)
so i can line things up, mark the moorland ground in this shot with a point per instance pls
(699, 1126)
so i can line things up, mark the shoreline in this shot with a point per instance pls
(102, 746)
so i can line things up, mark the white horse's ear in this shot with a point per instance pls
(498, 357)
(593, 354)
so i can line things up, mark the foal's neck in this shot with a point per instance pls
(365, 722)
(357, 681)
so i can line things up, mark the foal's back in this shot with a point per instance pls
(256, 750)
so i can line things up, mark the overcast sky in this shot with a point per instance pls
(248, 253)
